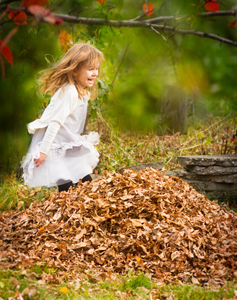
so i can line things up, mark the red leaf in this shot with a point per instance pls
(35, 2)
(18, 17)
(44, 14)
(101, 1)
(212, 6)
(6, 52)
(232, 24)
(148, 9)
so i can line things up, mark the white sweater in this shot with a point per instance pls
(61, 105)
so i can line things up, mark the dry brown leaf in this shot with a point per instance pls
(143, 221)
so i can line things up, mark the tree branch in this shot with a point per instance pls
(8, 1)
(141, 24)
(159, 33)
(218, 13)
(160, 19)
(202, 15)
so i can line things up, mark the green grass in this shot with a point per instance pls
(15, 195)
(30, 283)
(119, 149)
(194, 292)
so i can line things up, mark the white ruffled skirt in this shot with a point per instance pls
(66, 161)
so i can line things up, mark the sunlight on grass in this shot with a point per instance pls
(119, 150)
(15, 195)
(36, 283)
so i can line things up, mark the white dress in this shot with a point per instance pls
(71, 157)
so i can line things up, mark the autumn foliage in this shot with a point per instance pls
(18, 17)
(143, 221)
(148, 9)
(6, 52)
(35, 2)
(211, 5)
(65, 40)
(232, 24)
(101, 1)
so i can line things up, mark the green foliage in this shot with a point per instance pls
(20, 98)
(14, 195)
(27, 283)
(133, 282)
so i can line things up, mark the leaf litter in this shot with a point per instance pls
(144, 221)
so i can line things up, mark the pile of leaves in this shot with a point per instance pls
(143, 221)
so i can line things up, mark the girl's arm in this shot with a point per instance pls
(49, 136)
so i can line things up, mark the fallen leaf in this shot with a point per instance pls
(144, 221)
(64, 290)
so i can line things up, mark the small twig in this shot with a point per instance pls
(159, 19)
(3, 14)
(163, 29)
(159, 11)
(139, 17)
(57, 6)
(108, 9)
(80, 10)
(112, 83)
(71, 11)
(77, 11)
(221, 13)
(217, 2)
(159, 33)
(143, 15)
(108, 6)
(8, 37)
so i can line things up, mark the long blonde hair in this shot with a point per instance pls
(77, 57)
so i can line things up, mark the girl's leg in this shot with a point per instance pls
(65, 186)
(86, 178)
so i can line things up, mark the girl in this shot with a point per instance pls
(59, 154)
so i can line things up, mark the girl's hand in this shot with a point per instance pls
(38, 161)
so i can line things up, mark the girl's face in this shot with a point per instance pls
(86, 76)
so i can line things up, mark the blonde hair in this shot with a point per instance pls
(77, 57)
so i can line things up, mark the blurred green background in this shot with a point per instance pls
(160, 86)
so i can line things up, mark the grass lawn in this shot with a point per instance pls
(40, 282)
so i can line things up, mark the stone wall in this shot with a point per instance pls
(209, 172)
